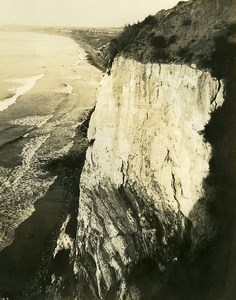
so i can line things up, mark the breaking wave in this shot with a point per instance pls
(26, 85)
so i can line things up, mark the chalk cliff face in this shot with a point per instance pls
(143, 195)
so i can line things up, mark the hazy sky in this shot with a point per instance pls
(79, 12)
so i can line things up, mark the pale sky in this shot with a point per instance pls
(79, 12)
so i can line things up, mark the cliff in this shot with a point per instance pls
(142, 187)
(156, 208)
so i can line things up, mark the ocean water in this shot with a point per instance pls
(46, 88)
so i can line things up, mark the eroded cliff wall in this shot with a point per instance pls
(143, 195)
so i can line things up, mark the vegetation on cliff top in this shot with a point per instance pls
(199, 31)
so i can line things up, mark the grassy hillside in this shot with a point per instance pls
(199, 31)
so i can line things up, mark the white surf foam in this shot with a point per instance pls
(20, 188)
(81, 54)
(34, 121)
(27, 84)
(28, 153)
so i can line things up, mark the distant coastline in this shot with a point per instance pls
(90, 39)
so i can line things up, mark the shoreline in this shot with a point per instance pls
(90, 39)
(86, 38)
(26, 85)
(25, 261)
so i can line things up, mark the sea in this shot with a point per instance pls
(47, 89)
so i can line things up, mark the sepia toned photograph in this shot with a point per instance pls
(117, 150)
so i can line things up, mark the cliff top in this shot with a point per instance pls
(199, 31)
